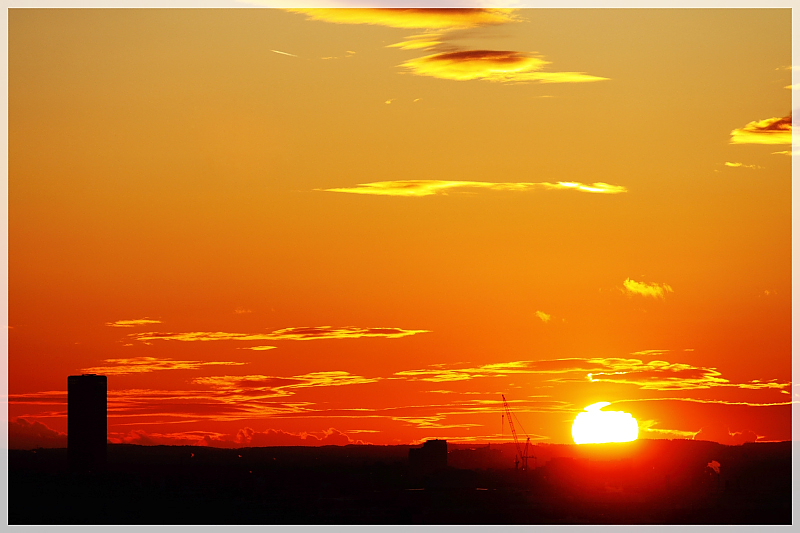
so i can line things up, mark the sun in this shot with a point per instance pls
(596, 426)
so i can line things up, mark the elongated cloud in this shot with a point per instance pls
(137, 365)
(132, 323)
(768, 131)
(280, 384)
(259, 348)
(414, 18)
(700, 400)
(349, 332)
(544, 316)
(431, 187)
(642, 288)
(296, 334)
(739, 165)
(651, 352)
(491, 65)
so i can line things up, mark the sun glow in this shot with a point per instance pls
(596, 426)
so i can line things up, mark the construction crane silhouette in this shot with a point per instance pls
(522, 454)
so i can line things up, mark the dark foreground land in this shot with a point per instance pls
(646, 482)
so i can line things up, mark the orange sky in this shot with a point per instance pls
(281, 227)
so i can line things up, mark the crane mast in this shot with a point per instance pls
(521, 455)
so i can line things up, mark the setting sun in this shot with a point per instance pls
(596, 426)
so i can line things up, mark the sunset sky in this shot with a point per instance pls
(329, 226)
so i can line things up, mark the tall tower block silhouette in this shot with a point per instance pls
(87, 421)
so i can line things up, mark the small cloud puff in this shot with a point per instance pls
(642, 288)
(768, 131)
(491, 65)
(431, 187)
(544, 316)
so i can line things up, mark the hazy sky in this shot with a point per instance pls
(276, 227)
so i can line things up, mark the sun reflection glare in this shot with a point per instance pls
(596, 426)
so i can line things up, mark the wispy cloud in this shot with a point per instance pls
(132, 323)
(662, 375)
(348, 332)
(647, 426)
(281, 385)
(136, 406)
(297, 334)
(709, 401)
(431, 187)
(651, 352)
(544, 316)
(431, 422)
(413, 18)
(283, 53)
(739, 165)
(553, 366)
(768, 131)
(423, 41)
(491, 65)
(655, 375)
(659, 375)
(137, 365)
(643, 288)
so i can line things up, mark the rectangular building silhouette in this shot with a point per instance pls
(87, 421)
(430, 458)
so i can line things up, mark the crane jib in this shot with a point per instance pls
(521, 454)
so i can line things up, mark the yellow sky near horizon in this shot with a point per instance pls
(271, 219)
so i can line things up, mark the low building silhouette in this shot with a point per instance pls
(87, 421)
(483, 457)
(431, 457)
